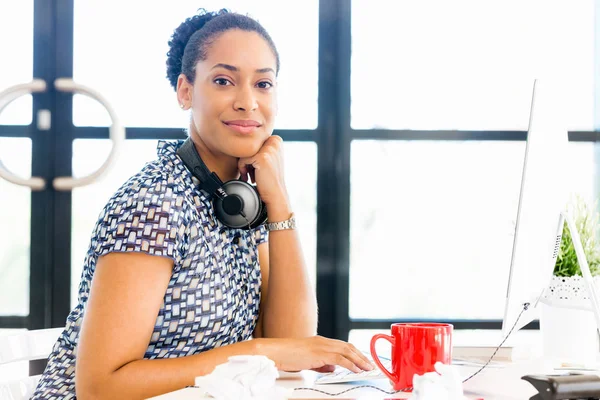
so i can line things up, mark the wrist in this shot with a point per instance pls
(278, 211)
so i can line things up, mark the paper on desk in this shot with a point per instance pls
(445, 384)
(243, 378)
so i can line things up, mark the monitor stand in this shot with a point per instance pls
(585, 271)
(568, 333)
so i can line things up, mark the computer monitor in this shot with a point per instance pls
(542, 199)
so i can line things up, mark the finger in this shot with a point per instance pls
(339, 359)
(274, 140)
(356, 359)
(243, 164)
(252, 172)
(361, 355)
(354, 355)
(243, 170)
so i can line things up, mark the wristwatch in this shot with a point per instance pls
(281, 225)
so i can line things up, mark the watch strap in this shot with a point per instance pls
(289, 223)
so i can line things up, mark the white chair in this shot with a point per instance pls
(25, 346)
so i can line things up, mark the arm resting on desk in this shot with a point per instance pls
(125, 298)
(126, 295)
(288, 302)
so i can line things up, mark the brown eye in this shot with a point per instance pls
(221, 81)
(265, 85)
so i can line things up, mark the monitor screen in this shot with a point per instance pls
(541, 201)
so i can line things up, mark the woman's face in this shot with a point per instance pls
(233, 99)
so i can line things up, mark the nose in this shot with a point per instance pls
(245, 100)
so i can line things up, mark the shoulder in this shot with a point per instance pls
(149, 212)
(153, 188)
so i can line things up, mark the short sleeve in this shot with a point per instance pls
(146, 218)
(261, 234)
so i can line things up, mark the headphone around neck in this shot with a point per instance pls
(237, 204)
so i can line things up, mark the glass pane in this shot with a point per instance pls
(301, 180)
(468, 64)
(436, 241)
(16, 23)
(88, 201)
(15, 214)
(132, 56)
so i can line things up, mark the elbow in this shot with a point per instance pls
(91, 387)
(87, 392)
(86, 389)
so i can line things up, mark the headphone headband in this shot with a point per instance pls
(192, 160)
(237, 204)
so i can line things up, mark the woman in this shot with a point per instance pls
(175, 292)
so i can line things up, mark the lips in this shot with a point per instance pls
(243, 122)
(244, 126)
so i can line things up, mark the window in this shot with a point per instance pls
(15, 214)
(127, 62)
(17, 55)
(467, 64)
(436, 239)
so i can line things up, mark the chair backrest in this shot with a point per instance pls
(25, 346)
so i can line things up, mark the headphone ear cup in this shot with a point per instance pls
(253, 207)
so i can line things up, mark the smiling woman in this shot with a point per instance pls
(232, 94)
(168, 290)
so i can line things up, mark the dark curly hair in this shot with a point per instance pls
(191, 40)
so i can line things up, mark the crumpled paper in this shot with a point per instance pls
(243, 378)
(445, 384)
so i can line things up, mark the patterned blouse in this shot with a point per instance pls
(213, 296)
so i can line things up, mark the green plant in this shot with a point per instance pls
(587, 222)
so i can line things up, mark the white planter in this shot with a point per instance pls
(569, 332)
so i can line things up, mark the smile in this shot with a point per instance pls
(242, 128)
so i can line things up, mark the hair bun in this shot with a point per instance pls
(180, 38)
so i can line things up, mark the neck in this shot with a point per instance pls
(223, 165)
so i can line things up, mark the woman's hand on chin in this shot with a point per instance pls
(265, 168)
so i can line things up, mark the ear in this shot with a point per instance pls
(184, 92)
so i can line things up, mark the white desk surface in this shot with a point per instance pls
(491, 384)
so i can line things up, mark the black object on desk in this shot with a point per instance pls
(565, 387)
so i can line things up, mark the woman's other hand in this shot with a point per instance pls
(316, 353)
(265, 168)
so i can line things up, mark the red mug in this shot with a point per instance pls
(416, 347)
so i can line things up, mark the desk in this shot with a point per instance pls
(491, 384)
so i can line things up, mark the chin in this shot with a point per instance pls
(242, 151)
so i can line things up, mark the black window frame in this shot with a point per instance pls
(50, 271)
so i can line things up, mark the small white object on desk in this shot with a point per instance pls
(243, 378)
(445, 384)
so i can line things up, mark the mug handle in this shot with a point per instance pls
(390, 339)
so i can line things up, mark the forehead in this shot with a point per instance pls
(242, 49)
